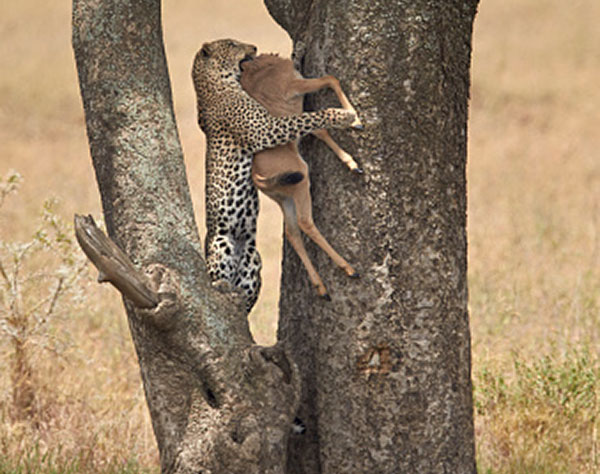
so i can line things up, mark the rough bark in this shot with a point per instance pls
(218, 403)
(385, 366)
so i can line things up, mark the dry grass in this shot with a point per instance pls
(534, 234)
(534, 230)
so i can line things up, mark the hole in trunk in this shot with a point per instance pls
(210, 397)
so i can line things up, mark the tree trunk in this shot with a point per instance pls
(385, 366)
(218, 403)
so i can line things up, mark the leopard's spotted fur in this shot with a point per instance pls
(236, 127)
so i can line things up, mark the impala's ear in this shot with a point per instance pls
(206, 50)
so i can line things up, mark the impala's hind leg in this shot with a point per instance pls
(292, 233)
(303, 205)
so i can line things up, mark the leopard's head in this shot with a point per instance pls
(224, 56)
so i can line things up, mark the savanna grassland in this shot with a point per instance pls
(534, 240)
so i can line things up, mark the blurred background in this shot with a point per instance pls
(533, 228)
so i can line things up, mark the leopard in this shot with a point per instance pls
(236, 127)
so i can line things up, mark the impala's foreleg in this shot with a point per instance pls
(344, 156)
(304, 86)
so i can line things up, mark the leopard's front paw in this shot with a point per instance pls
(350, 118)
(344, 118)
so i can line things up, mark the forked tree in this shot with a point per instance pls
(382, 372)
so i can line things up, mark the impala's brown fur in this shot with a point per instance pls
(280, 172)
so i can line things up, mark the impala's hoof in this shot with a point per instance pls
(358, 171)
(326, 297)
(356, 124)
(355, 275)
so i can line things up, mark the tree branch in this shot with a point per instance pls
(114, 266)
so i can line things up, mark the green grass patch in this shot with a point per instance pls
(539, 417)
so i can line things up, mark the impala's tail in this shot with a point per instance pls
(283, 179)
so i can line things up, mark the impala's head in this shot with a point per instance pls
(224, 56)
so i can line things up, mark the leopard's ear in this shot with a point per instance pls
(206, 50)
